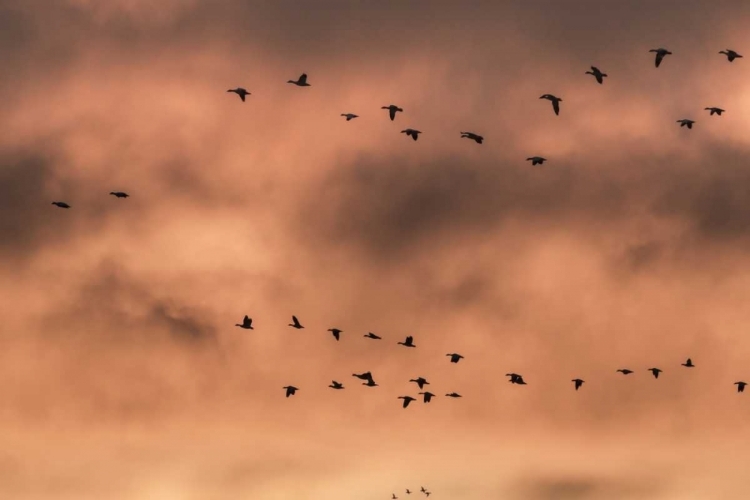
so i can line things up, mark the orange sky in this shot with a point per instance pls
(122, 375)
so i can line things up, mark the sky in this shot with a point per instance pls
(122, 375)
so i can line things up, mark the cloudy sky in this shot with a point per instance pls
(122, 375)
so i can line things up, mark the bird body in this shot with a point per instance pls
(578, 382)
(411, 132)
(731, 55)
(367, 376)
(688, 363)
(335, 332)
(420, 381)
(660, 53)
(714, 111)
(336, 385)
(686, 123)
(455, 357)
(349, 116)
(453, 395)
(536, 160)
(597, 74)
(472, 136)
(301, 81)
(371, 335)
(555, 102)
(61, 204)
(740, 386)
(247, 323)
(290, 390)
(655, 372)
(119, 194)
(625, 371)
(515, 378)
(240, 92)
(409, 342)
(392, 110)
(427, 396)
(407, 400)
(295, 323)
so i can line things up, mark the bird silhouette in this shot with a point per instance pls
(240, 92)
(392, 110)
(455, 357)
(61, 204)
(427, 396)
(336, 385)
(427, 493)
(731, 55)
(515, 378)
(408, 492)
(472, 136)
(295, 323)
(290, 390)
(411, 132)
(555, 102)
(409, 342)
(453, 395)
(688, 363)
(578, 382)
(407, 400)
(370, 382)
(597, 74)
(247, 323)
(421, 382)
(625, 371)
(371, 335)
(349, 116)
(740, 386)
(714, 111)
(336, 332)
(394, 497)
(660, 53)
(301, 81)
(655, 372)
(119, 194)
(686, 123)
(536, 160)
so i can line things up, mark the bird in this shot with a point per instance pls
(427, 493)
(119, 194)
(740, 386)
(301, 81)
(660, 53)
(686, 123)
(625, 371)
(597, 74)
(555, 102)
(407, 400)
(290, 390)
(731, 55)
(455, 357)
(655, 371)
(295, 323)
(688, 363)
(427, 396)
(578, 382)
(349, 116)
(408, 492)
(336, 385)
(336, 332)
(409, 342)
(453, 395)
(240, 92)
(392, 110)
(421, 488)
(413, 133)
(366, 376)
(713, 111)
(371, 335)
(247, 323)
(516, 378)
(421, 382)
(472, 136)
(394, 497)
(536, 160)
(61, 204)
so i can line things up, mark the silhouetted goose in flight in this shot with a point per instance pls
(453, 395)
(295, 323)
(455, 357)
(392, 110)
(119, 194)
(407, 400)
(349, 116)
(394, 497)
(578, 382)
(472, 136)
(714, 111)
(555, 102)
(421, 488)
(597, 74)
(290, 390)
(427, 493)
(421, 382)
(427, 396)
(625, 371)
(740, 386)
(655, 372)
(366, 376)
(686, 123)
(688, 363)
(409, 342)
(411, 132)
(515, 378)
(336, 385)
(731, 55)
(336, 332)
(660, 53)
(371, 335)
(240, 92)
(536, 160)
(408, 492)
(61, 204)
(301, 82)
(247, 323)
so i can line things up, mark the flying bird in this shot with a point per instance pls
(61, 204)
(409, 342)
(247, 323)
(427, 396)
(731, 55)
(625, 371)
(366, 376)
(686, 123)
(472, 136)
(427, 493)
(453, 395)
(349, 116)
(660, 53)
(392, 110)
(119, 194)
(371, 335)
(597, 74)
(240, 92)
(578, 382)
(411, 132)
(688, 363)
(515, 378)
(536, 160)
(408, 492)
(455, 357)
(394, 497)
(713, 111)
(336, 385)
(655, 371)
(336, 332)
(290, 390)
(301, 81)
(555, 102)
(295, 323)
(407, 400)
(740, 386)
(421, 382)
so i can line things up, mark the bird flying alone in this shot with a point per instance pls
(247, 323)
(625, 371)
(240, 92)
(349, 116)
(688, 363)
(686, 123)
(515, 378)
(660, 53)
(335, 332)
(365, 376)
(407, 400)
(336, 385)
(295, 323)
(597, 74)
(714, 111)
(411, 132)
(301, 81)
(455, 357)
(392, 110)
(371, 335)
(578, 382)
(472, 136)
(61, 204)
(731, 55)
(740, 386)
(536, 160)
(409, 342)
(453, 395)
(119, 194)
(555, 102)
(290, 390)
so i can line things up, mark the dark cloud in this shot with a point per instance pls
(587, 488)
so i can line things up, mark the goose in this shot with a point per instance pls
(625, 371)
(336, 385)
(392, 110)
(688, 363)
(421, 382)
(597, 74)
(409, 342)
(119, 194)
(421, 488)
(61, 204)
(413, 133)
(240, 92)
(740, 386)
(453, 395)
(427, 396)
(515, 378)
(731, 55)
(578, 382)
(555, 102)
(655, 371)
(371, 335)
(407, 400)
(366, 376)
(336, 332)
(686, 123)
(290, 390)
(394, 497)
(660, 53)
(472, 136)
(408, 492)
(536, 160)
(427, 493)
(247, 323)
(301, 81)
(455, 357)
(349, 116)
(295, 323)
(713, 111)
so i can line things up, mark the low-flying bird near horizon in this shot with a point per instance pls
(714, 111)
(731, 55)
(578, 382)
(247, 323)
(686, 123)
(392, 110)
(740, 386)
(290, 390)
(240, 92)
(301, 81)
(688, 363)
(335, 332)
(597, 74)
(349, 116)
(625, 371)
(427, 396)
(409, 342)
(407, 400)
(295, 323)
(119, 194)
(554, 100)
(61, 204)
(453, 395)
(414, 134)
(472, 136)
(420, 381)
(655, 372)
(536, 160)
(660, 53)
(336, 385)
(455, 357)
(371, 335)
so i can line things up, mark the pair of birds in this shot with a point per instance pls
(300, 82)
(661, 53)
(408, 399)
(408, 492)
(117, 194)
(654, 371)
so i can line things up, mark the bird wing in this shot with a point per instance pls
(303, 78)
(409, 339)
(556, 107)
(659, 57)
(392, 113)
